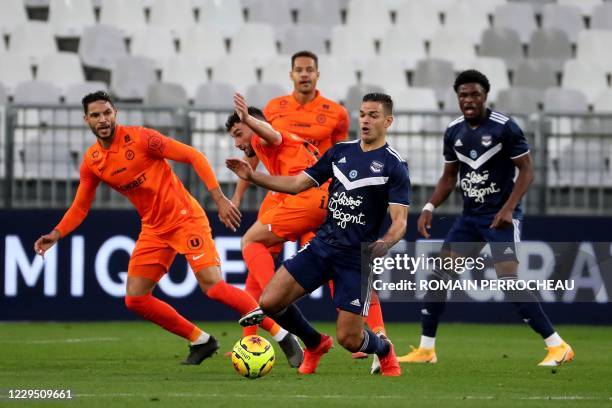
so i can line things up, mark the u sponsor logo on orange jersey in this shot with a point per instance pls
(129, 154)
(194, 242)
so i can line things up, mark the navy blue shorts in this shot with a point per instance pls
(317, 262)
(470, 233)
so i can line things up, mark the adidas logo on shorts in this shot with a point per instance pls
(508, 251)
(356, 302)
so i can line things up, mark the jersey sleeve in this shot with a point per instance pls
(86, 192)
(515, 142)
(340, 132)
(449, 151)
(322, 170)
(163, 147)
(400, 190)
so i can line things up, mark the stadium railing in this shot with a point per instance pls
(42, 147)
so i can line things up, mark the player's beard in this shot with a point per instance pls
(110, 135)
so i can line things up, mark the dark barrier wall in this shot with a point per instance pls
(83, 277)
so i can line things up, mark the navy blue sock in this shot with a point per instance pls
(530, 310)
(372, 344)
(292, 320)
(432, 308)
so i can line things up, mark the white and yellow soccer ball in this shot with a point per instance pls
(253, 357)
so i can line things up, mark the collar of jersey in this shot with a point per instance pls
(309, 104)
(114, 147)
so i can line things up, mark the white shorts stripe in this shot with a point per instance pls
(517, 230)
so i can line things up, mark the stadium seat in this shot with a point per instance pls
(422, 18)
(3, 94)
(13, 70)
(519, 101)
(588, 78)
(412, 100)
(390, 76)
(226, 15)
(336, 76)
(240, 72)
(352, 101)
(585, 162)
(49, 158)
(602, 17)
(502, 43)
(461, 12)
(454, 45)
(587, 7)
(535, 74)
(450, 103)
(36, 93)
(603, 103)
(188, 71)
(260, 94)
(496, 71)
(12, 14)
(33, 40)
(127, 16)
(277, 71)
(594, 48)
(100, 46)
(275, 13)
(75, 92)
(559, 100)
(404, 45)
(164, 95)
(203, 42)
(215, 95)
(371, 17)
(61, 69)
(254, 41)
(320, 12)
(516, 16)
(352, 43)
(155, 43)
(566, 18)
(132, 76)
(175, 16)
(68, 18)
(434, 73)
(551, 45)
(305, 37)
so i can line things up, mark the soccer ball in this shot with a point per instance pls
(253, 357)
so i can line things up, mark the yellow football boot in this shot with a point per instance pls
(419, 355)
(558, 355)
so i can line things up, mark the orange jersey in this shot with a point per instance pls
(321, 122)
(135, 166)
(289, 158)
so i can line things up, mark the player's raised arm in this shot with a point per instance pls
(282, 184)
(168, 148)
(74, 216)
(268, 135)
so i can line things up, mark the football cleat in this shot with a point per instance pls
(420, 355)
(558, 355)
(252, 318)
(312, 356)
(292, 349)
(199, 352)
(389, 366)
(375, 369)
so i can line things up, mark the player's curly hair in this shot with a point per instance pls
(233, 118)
(472, 76)
(96, 96)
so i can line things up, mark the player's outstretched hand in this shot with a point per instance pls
(378, 248)
(503, 219)
(241, 107)
(424, 223)
(45, 242)
(240, 167)
(228, 214)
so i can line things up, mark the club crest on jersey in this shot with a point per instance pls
(473, 154)
(353, 174)
(321, 118)
(486, 140)
(376, 166)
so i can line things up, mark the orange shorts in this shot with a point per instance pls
(192, 239)
(296, 215)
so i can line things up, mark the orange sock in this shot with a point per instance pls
(252, 288)
(375, 317)
(240, 301)
(162, 314)
(260, 263)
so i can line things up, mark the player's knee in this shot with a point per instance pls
(136, 304)
(267, 304)
(349, 340)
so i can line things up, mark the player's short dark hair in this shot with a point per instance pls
(306, 54)
(96, 96)
(472, 76)
(385, 99)
(233, 118)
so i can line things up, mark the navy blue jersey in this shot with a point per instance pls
(363, 185)
(486, 170)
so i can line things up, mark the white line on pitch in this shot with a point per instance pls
(51, 341)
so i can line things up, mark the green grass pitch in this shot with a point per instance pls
(136, 364)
